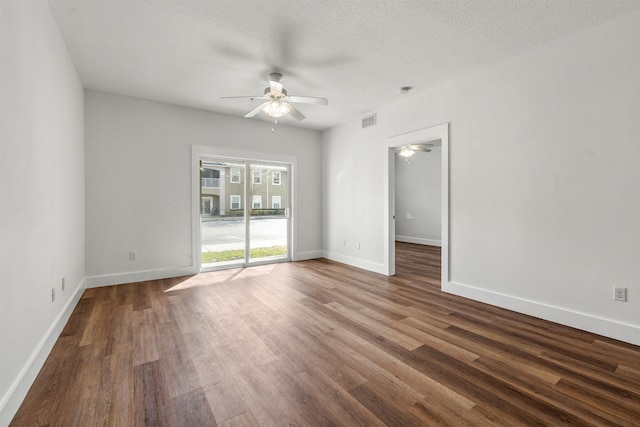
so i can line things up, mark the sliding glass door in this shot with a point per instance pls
(268, 222)
(244, 217)
(222, 219)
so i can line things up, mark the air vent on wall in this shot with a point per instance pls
(369, 121)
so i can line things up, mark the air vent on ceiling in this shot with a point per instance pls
(369, 121)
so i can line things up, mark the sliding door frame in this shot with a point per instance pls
(199, 153)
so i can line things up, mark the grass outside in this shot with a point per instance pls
(232, 255)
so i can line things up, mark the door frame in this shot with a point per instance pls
(222, 153)
(209, 197)
(433, 133)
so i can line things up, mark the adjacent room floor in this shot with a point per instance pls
(317, 343)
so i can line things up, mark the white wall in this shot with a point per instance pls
(41, 193)
(352, 181)
(139, 179)
(418, 197)
(544, 180)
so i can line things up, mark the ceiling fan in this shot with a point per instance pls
(277, 102)
(409, 150)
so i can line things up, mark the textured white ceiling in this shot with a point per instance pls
(356, 53)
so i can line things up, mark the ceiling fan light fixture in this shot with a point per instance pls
(276, 109)
(406, 152)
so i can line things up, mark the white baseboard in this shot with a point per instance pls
(418, 240)
(165, 273)
(355, 262)
(301, 256)
(140, 276)
(584, 321)
(11, 401)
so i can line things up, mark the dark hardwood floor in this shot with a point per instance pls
(317, 343)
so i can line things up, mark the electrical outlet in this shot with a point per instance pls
(132, 256)
(53, 294)
(62, 285)
(619, 293)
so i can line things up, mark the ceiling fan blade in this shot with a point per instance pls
(427, 147)
(275, 87)
(295, 113)
(244, 97)
(308, 100)
(256, 110)
(418, 148)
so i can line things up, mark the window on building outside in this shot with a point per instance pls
(257, 202)
(276, 177)
(257, 176)
(235, 202)
(235, 176)
(210, 178)
(276, 202)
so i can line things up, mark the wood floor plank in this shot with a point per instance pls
(190, 409)
(78, 320)
(149, 394)
(337, 400)
(116, 389)
(146, 336)
(380, 399)
(225, 399)
(551, 396)
(377, 363)
(318, 343)
(273, 397)
(630, 374)
(97, 328)
(424, 338)
(602, 406)
(246, 419)
(180, 375)
(375, 326)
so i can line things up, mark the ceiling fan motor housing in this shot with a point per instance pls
(282, 94)
(275, 77)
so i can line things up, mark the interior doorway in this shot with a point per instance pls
(418, 198)
(392, 147)
(244, 216)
